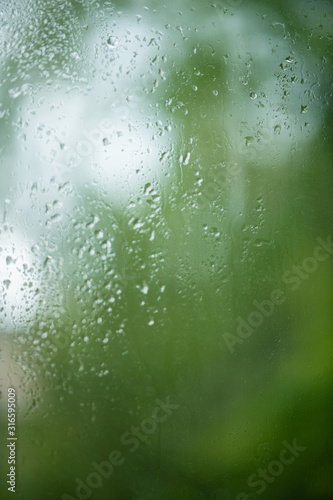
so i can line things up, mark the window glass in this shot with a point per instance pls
(166, 249)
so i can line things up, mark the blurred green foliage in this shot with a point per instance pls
(137, 292)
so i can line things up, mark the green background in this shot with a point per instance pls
(130, 252)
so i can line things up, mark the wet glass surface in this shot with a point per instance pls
(166, 250)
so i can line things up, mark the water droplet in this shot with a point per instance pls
(14, 93)
(147, 188)
(55, 218)
(145, 289)
(99, 234)
(253, 95)
(138, 224)
(112, 42)
(7, 283)
(277, 129)
(304, 108)
(47, 261)
(152, 236)
(187, 159)
(93, 223)
(249, 140)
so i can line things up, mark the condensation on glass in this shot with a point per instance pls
(165, 248)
